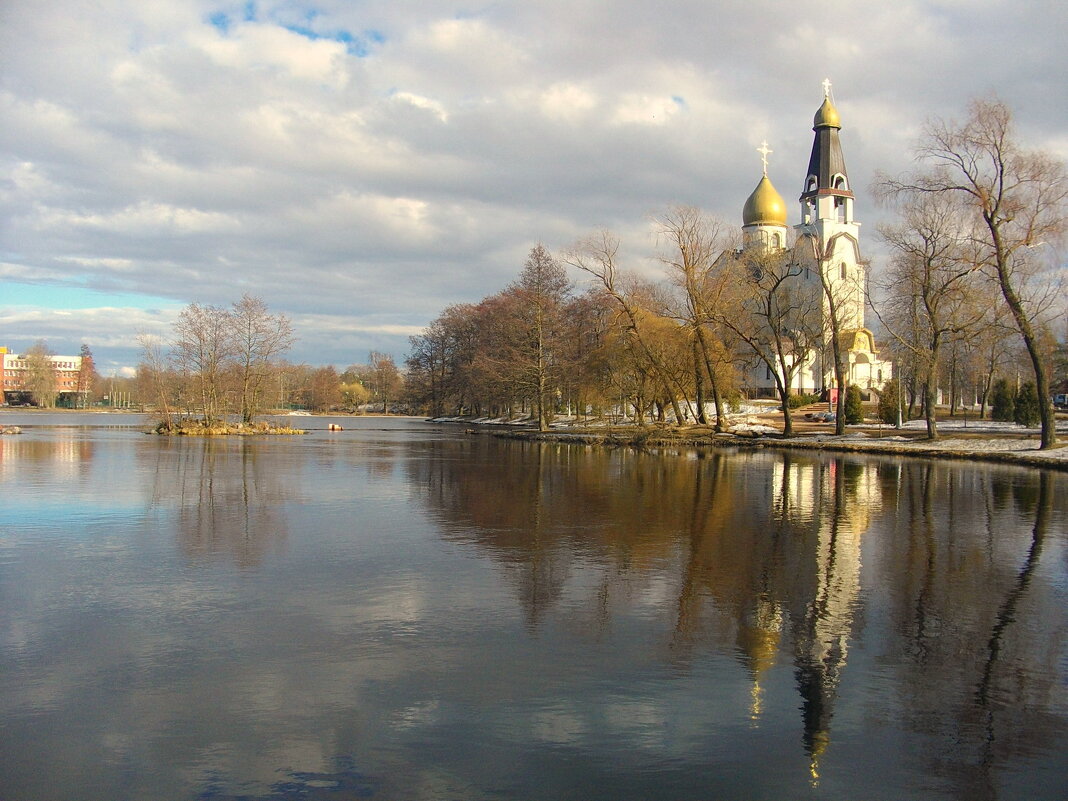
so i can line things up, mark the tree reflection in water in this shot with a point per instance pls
(229, 502)
(767, 557)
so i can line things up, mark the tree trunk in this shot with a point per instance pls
(1023, 323)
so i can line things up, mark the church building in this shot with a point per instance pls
(826, 252)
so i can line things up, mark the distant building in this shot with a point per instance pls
(67, 372)
(827, 239)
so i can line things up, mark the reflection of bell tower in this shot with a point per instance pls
(849, 494)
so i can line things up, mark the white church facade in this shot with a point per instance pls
(825, 248)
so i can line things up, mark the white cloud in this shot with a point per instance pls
(424, 103)
(375, 162)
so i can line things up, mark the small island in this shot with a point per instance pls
(217, 428)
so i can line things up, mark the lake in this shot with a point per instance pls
(401, 610)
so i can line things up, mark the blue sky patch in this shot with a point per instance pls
(69, 297)
(356, 45)
(220, 21)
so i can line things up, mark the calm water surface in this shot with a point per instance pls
(400, 611)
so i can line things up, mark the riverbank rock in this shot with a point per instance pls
(10, 430)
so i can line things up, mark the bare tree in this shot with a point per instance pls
(382, 379)
(41, 374)
(928, 286)
(597, 256)
(257, 338)
(772, 311)
(203, 345)
(1016, 201)
(697, 243)
(840, 290)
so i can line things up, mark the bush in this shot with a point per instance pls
(890, 404)
(854, 405)
(797, 401)
(1026, 412)
(1002, 402)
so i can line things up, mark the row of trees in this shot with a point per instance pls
(222, 361)
(968, 265)
(223, 357)
(967, 280)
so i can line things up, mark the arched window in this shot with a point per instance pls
(843, 269)
(811, 184)
(839, 182)
(776, 241)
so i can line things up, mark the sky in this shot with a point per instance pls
(362, 164)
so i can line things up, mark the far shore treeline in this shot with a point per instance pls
(971, 307)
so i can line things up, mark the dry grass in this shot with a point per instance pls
(198, 428)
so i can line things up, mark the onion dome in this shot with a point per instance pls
(827, 116)
(764, 206)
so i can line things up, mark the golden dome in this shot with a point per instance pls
(827, 116)
(765, 205)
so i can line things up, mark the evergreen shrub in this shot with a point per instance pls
(1002, 402)
(1026, 412)
(890, 403)
(854, 405)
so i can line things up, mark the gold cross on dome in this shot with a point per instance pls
(763, 150)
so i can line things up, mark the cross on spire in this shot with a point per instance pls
(826, 87)
(763, 150)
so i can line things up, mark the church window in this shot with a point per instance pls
(843, 270)
(776, 241)
(840, 182)
(811, 184)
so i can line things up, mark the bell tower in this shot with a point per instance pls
(827, 221)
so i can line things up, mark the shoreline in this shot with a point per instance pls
(1011, 447)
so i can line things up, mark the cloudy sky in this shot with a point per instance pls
(361, 164)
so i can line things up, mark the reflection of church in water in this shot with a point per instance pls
(833, 502)
(825, 243)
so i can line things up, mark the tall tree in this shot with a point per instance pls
(1016, 200)
(542, 292)
(88, 378)
(203, 345)
(774, 313)
(840, 290)
(597, 255)
(156, 378)
(696, 244)
(382, 379)
(928, 286)
(257, 338)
